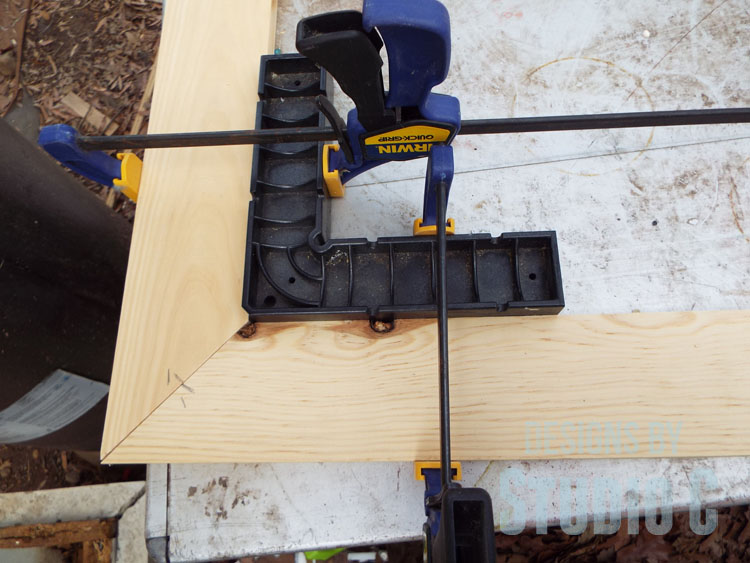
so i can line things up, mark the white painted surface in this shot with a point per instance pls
(223, 511)
(130, 546)
(70, 504)
(601, 192)
(156, 512)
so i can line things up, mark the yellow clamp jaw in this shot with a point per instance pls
(335, 188)
(331, 177)
(425, 230)
(420, 465)
(130, 175)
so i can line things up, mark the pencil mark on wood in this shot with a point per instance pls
(183, 384)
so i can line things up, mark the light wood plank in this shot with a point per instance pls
(333, 391)
(336, 391)
(183, 289)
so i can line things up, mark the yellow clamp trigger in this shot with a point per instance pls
(332, 179)
(420, 465)
(424, 230)
(130, 173)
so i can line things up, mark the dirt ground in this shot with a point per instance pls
(730, 542)
(99, 51)
(24, 468)
(102, 51)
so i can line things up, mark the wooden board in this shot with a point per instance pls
(337, 391)
(183, 289)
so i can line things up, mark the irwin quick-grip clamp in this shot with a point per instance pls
(403, 123)
(122, 173)
(408, 122)
(295, 271)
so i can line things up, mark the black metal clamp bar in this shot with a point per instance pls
(442, 312)
(468, 127)
(605, 121)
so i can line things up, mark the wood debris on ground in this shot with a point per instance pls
(13, 17)
(730, 542)
(90, 57)
(30, 468)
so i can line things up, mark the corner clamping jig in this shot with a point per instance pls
(403, 123)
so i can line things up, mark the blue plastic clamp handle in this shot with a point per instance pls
(60, 141)
(433, 486)
(417, 36)
(439, 169)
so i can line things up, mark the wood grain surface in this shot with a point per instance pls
(337, 391)
(183, 289)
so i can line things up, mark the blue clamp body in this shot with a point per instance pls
(433, 486)
(439, 169)
(460, 524)
(60, 141)
(440, 108)
(416, 35)
(406, 122)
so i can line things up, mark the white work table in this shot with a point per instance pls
(647, 220)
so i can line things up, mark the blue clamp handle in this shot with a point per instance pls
(433, 486)
(60, 141)
(417, 36)
(439, 169)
